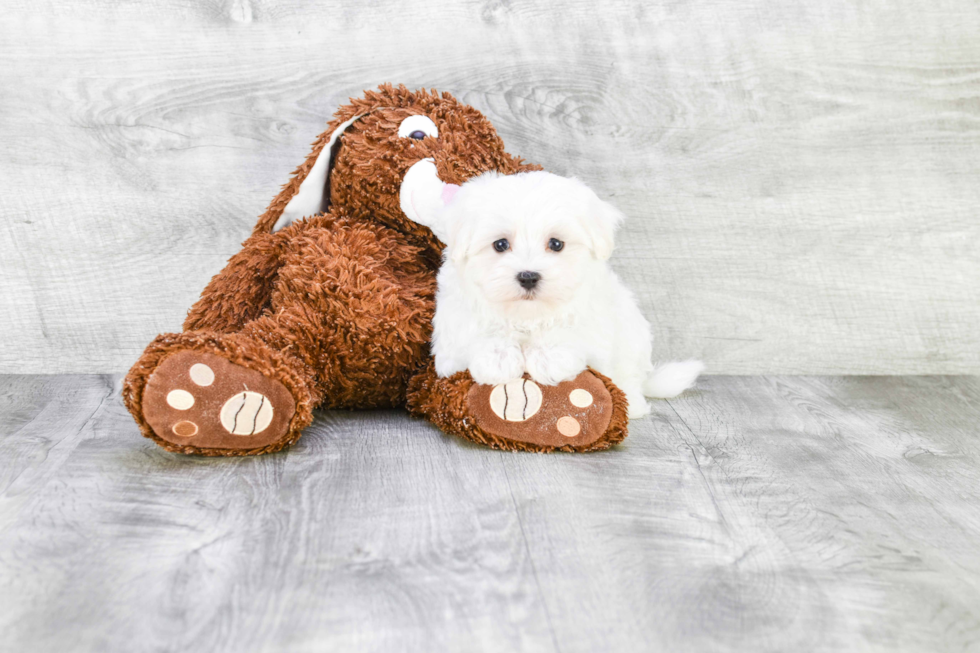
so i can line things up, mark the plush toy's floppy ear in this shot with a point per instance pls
(600, 219)
(313, 195)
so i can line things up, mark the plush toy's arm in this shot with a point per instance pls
(240, 292)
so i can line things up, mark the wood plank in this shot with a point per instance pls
(800, 179)
(753, 514)
(847, 508)
(339, 542)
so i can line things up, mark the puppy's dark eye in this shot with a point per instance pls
(501, 245)
(556, 245)
(418, 134)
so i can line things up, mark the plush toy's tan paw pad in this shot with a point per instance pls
(203, 400)
(573, 414)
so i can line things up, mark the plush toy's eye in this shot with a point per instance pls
(501, 245)
(418, 127)
(556, 245)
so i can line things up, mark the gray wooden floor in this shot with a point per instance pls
(755, 514)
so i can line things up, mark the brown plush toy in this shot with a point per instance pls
(330, 301)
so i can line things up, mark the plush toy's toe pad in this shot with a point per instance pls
(572, 415)
(202, 400)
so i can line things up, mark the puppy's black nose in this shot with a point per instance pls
(528, 279)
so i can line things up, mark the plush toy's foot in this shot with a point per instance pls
(573, 415)
(201, 400)
(585, 414)
(192, 393)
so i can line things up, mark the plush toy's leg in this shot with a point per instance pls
(344, 325)
(242, 291)
(218, 394)
(585, 414)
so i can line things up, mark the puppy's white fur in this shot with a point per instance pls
(579, 314)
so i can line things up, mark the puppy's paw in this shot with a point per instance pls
(638, 404)
(497, 362)
(552, 365)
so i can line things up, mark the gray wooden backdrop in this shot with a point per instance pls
(802, 178)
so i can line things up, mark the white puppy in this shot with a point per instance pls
(525, 287)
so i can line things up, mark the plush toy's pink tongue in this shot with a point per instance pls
(448, 192)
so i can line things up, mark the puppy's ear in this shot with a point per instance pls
(462, 213)
(460, 232)
(601, 220)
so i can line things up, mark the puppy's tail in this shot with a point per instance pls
(671, 379)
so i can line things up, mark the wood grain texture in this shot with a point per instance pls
(800, 177)
(752, 514)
